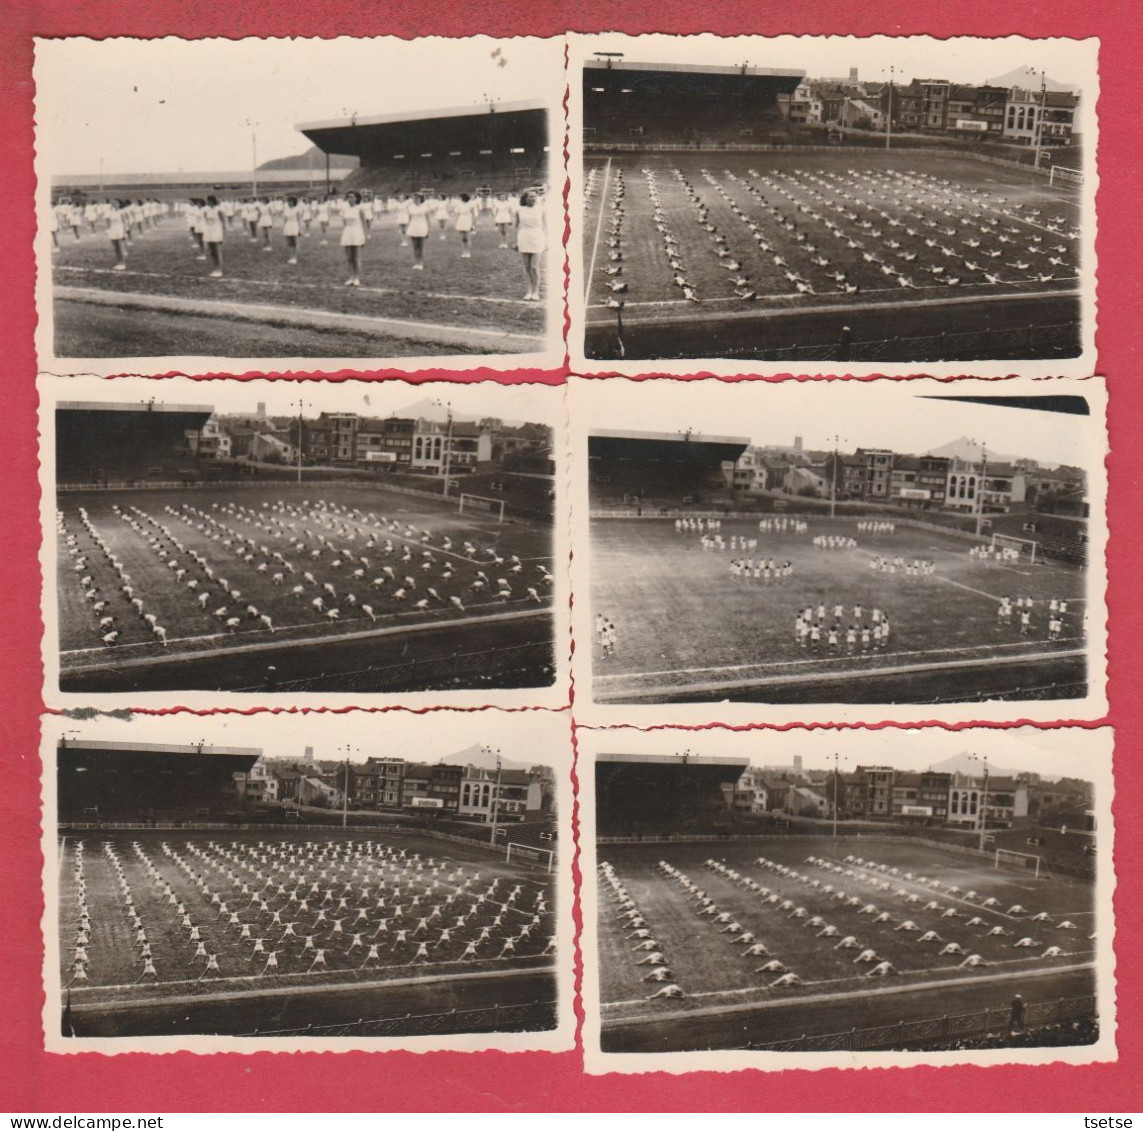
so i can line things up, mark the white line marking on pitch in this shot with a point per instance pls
(598, 231)
(833, 659)
(829, 999)
(323, 287)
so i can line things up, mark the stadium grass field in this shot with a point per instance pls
(198, 640)
(688, 630)
(728, 1003)
(115, 1000)
(945, 201)
(481, 294)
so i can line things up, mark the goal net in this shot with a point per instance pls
(482, 504)
(1027, 548)
(1060, 175)
(1007, 858)
(543, 857)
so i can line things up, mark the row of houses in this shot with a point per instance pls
(882, 793)
(469, 792)
(882, 476)
(402, 443)
(1013, 114)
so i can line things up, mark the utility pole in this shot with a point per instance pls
(1040, 120)
(448, 443)
(889, 114)
(837, 773)
(980, 487)
(495, 815)
(833, 479)
(345, 791)
(301, 435)
(983, 820)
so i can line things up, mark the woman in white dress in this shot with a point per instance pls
(502, 216)
(531, 240)
(212, 225)
(353, 236)
(117, 234)
(465, 221)
(418, 229)
(265, 222)
(440, 213)
(403, 218)
(323, 219)
(250, 218)
(291, 227)
(196, 228)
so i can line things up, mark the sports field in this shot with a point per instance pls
(367, 900)
(752, 254)
(687, 630)
(263, 306)
(215, 585)
(860, 892)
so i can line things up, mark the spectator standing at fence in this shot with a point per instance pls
(1017, 1020)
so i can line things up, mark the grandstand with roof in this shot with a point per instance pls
(489, 148)
(830, 237)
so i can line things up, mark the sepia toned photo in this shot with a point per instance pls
(326, 543)
(371, 199)
(843, 551)
(360, 881)
(853, 899)
(833, 204)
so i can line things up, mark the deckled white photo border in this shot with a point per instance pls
(552, 746)
(1093, 753)
(642, 48)
(591, 401)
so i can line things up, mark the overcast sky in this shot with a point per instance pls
(1053, 753)
(538, 404)
(889, 414)
(531, 737)
(964, 59)
(153, 106)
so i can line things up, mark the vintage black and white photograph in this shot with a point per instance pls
(857, 898)
(371, 199)
(313, 542)
(355, 880)
(814, 552)
(867, 203)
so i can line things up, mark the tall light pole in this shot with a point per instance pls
(1040, 120)
(345, 788)
(494, 816)
(983, 819)
(836, 775)
(889, 112)
(301, 435)
(980, 486)
(448, 441)
(833, 479)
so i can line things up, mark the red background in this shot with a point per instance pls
(31, 1080)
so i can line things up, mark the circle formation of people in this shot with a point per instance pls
(854, 907)
(289, 565)
(248, 909)
(286, 222)
(807, 232)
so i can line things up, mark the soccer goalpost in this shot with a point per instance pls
(1012, 859)
(1027, 546)
(1073, 178)
(482, 504)
(544, 857)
